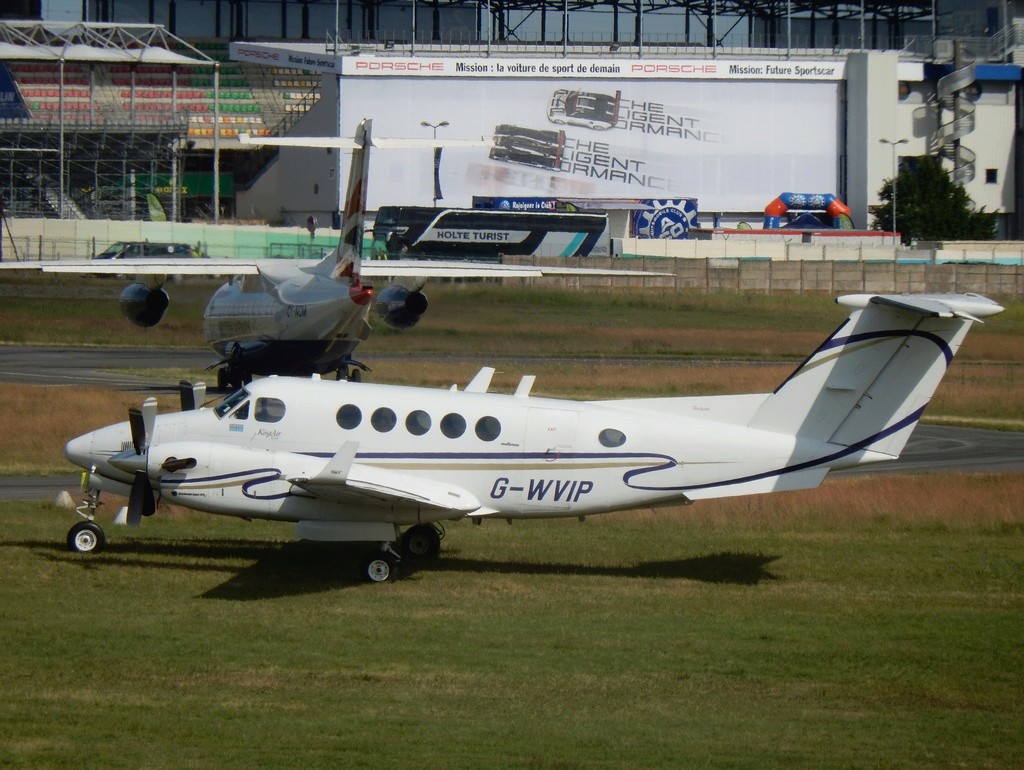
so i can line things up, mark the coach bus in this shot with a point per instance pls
(479, 234)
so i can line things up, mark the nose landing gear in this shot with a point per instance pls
(86, 536)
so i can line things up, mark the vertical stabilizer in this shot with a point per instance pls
(347, 257)
(868, 383)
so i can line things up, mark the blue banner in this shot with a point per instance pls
(11, 105)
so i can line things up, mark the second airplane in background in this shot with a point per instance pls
(296, 317)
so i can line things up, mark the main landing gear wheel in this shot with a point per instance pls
(382, 567)
(421, 542)
(86, 537)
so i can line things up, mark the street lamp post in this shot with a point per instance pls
(437, 157)
(894, 143)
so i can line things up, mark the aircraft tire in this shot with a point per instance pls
(382, 567)
(422, 541)
(86, 537)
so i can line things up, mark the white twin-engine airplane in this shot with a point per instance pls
(299, 317)
(354, 461)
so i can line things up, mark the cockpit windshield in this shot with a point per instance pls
(228, 404)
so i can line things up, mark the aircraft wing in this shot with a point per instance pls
(345, 143)
(427, 268)
(399, 268)
(201, 266)
(345, 481)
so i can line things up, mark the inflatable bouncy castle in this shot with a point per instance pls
(808, 211)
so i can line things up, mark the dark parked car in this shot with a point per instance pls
(142, 249)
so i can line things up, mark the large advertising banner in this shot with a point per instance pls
(733, 143)
(732, 133)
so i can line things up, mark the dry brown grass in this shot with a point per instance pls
(898, 500)
(37, 421)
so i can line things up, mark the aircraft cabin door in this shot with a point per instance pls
(550, 447)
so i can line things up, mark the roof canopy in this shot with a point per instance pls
(90, 42)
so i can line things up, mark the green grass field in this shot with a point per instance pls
(877, 622)
(712, 636)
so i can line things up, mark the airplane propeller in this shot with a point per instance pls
(192, 395)
(142, 499)
(141, 422)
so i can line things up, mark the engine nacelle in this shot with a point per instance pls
(142, 305)
(399, 307)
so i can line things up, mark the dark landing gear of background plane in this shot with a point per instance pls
(418, 543)
(351, 370)
(230, 378)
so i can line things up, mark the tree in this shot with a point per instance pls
(929, 206)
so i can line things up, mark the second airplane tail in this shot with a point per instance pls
(353, 216)
(867, 384)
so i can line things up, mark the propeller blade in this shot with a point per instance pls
(141, 422)
(192, 395)
(149, 418)
(141, 502)
(138, 428)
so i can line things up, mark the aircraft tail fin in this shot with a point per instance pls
(348, 256)
(868, 383)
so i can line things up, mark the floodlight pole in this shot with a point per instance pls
(216, 142)
(893, 143)
(60, 132)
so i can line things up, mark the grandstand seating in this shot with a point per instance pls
(252, 99)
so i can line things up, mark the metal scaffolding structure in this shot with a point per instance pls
(106, 173)
(763, 23)
(88, 156)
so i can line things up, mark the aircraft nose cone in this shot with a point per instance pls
(79, 451)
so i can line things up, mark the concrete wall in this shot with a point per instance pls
(832, 278)
(53, 239)
(839, 250)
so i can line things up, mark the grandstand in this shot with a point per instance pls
(100, 116)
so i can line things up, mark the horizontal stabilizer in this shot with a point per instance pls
(970, 307)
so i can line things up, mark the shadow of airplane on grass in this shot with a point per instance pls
(297, 568)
